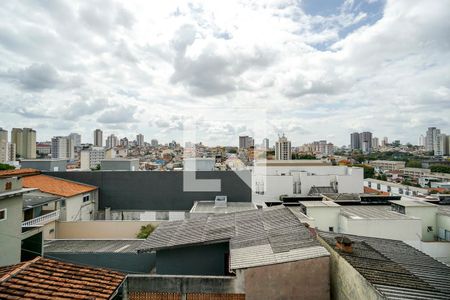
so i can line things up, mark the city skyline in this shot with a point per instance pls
(320, 69)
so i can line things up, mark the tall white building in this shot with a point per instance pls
(365, 141)
(25, 140)
(112, 141)
(283, 149)
(90, 158)
(441, 145)
(375, 143)
(421, 141)
(140, 140)
(385, 141)
(154, 143)
(62, 148)
(3, 145)
(98, 138)
(76, 139)
(431, 138)
(265, 144)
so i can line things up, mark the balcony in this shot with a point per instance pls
(42, 220)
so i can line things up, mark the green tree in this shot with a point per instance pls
(145, 231)
(414, 164)
(6, 167)
(369, 171)
(440, 169)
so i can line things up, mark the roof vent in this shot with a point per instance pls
(220, 201)
(344, 244)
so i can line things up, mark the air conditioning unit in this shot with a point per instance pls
(220, 201)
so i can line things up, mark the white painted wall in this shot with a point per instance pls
(428, 216)
(324, 217)
(76, 210)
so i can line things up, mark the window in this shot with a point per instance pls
(85, 198)
(3, 215)
(429, 228)
(63, 203)
(378, 186)
(8, 186)
(389, 188)
(331, 228)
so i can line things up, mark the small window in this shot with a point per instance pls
(378, 186)
(429, 228)
(86, 198)
(3, 215)
(331, 228)
(63, 203)
(8, 186)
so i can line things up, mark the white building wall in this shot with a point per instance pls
(428, 217)
(77, 210)
(324, 217)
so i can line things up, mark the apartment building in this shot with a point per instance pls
(388, 165)
(91, 158)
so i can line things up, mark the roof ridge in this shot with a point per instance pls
(19, 269)
(68, 180)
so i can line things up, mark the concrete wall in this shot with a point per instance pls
(437, 250)
(193, 260)
(428, 217)
(45, 164)
(76, 209)
(128, 190)
(129, 263)
(100, 229)
(346, 282)
(10, 231)
(403, 230)
(184, 284)
(304, 279)
(120, 165)
(443, 224)
(325, 217)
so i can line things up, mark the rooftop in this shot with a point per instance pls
(319, 204)
(257, 237)
(319, 190)
(43, 278)
(16, 192)
(444, 210)
(231, 207)
(373, 212)
(37, 199)
(56, 186)
(342, 196)
(395, 269)
(412, 188)
(92, 246)
(292, 163)
(410, 202)
(18, 172)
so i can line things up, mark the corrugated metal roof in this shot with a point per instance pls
(395, 269)
(256, 237)
(92, 246)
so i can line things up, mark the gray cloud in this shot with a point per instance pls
(118, 114)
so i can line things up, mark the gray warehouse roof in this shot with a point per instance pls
(37, 199)
(380, 212)
(231, 207)
(92, 246)
(257, 237)
(395, 269)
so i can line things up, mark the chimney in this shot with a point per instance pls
(344, 244)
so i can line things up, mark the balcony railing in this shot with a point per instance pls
(42, 220)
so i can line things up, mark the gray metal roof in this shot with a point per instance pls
(395, 269)
(92, 246)
(209, 207)
(37, 199)
(373, 212)
(256, 237)
(318, 190)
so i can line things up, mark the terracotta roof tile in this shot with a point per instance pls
(19, 172)
(56, 186)
(62, 281)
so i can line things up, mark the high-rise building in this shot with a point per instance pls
(124, 142)
(441, 145)
(421, 140)
(11, 155)
(365, 141)
(265, 144)
(246, 142)
(90, 158)
(431, 138)
(62, 148)
(140, 140)
(385, 141)
(76, 139)
(3, 145)
(98, 138)
(25, 140)
(355, 141)
(154, 143)
(375, 143)
(283, 149)
(112, 141)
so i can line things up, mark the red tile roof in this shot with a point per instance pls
(43, 278)
(368, 190)
(56, 186)
(19, 172)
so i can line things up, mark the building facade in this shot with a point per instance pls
(98, 138)
(283, 150)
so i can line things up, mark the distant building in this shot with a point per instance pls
(140, 140)
(431, 138)
(3, 145)
(112, 141)
(283, 149)
(265, 144)
(52, 165)
(91, 158)
(385, 141)
(62, 148)
(246, 142)
(365, 141)
(98, 138)
(199, 164)
(388, 164)
(441, 146)
(375, 143)
(25, 140)
(124, 142)
(154, 143)
(354, 141)
(44, 149)
(76, 139)
(422, 140)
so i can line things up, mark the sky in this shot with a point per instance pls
(213, 70)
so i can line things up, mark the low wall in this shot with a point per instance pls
(184, 284)
(100, 229)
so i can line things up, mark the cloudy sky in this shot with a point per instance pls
(313, 69)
